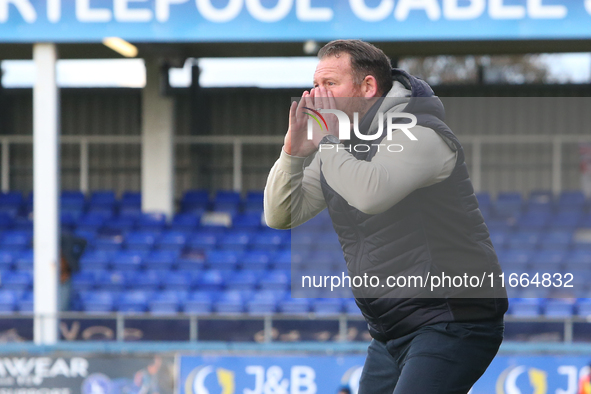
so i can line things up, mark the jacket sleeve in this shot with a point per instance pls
(375, 186)
(292, 194)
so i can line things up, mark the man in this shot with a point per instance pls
(407, 212)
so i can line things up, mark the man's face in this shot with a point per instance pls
(335, 75)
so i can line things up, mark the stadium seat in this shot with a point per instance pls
(96, 260)
(185, 222)
(351, 307)
(534, 221)
(7, 301)
(127, 261)
(235, 241)
(211, 280)
(223, 260)
(146, 280)
(264, 302)
(161, 260)
(523, 240)
(6, 222)
(191, 261)
(135, 301)
(255, 260)
(583, 307)
(92, 222)
(549, 261)
(327, 306)
(560, 307)
(97, 302)
(7, 258)
(25, 304)
(226, 200)
(140, 241)
(242, 280)
(275, 281)
(515, 259)
(108, 243)
(112, 281)
(525, 307)
(151, 222)
(178, 280)
(270, 240)
(131, 200)
(84, 280)
(166, 302)
(569, 198)
(24, 261)
(102, 199)
(195, 200)
(172, 241)
(230, 302)
(556, 240)
(295, 306)
(17, 281)
(565, 220)
(16, 240)
(199, 302)
(121, 225)
(202, 241)
(254, 201)
(507, 205)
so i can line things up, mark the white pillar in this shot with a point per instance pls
(157, 144)
(46, 130)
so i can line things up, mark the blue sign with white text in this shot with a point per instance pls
(291, 20)
(325, 375)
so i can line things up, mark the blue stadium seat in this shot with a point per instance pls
(574, 198)
(514, 259)
(351, 307)
(7, 258)
(583, 307)
(161, 260)
(235, 241)
(507, 205)
(84, 280)
(500, 225)
(275, 280)
(254, 201)
(93, 260)
(199, 302)
(97, 302)
(131, 200)
(321, 260)
(264, 302)
(179, 280)
(73, 200)
(135, 301)
(140, 241)
(523, 240)
(549, 261)
(16, 240)
(92, 222)
(211, 280)
(526, 307)
(255, 260)
(172, 241)
(147, 280)
(68, 220)
(565, 220)
(294, 306)
(560, 307)
(301, 240)
(6, 222)
(556, 240)
(498, 239)
(270, 240)
(102, 199)
(195, 200)
(533, 221)
(484, 199)
(167, 302)
(242, 280)
(327, 240)
(578, 258)
(23, 224)
(249, 220)
(11, 203)
(112, 281)
(108, 243)
(284, 259)
(7, 301)
(120, 225)
(327, 306)
(152, 222)
(17, 281)
(191, 261)
(226, 200)
(185, 222)
(202, 241)
(127, 261)
(24, 261)
(25, 304)
(230, 302)
(223, 260)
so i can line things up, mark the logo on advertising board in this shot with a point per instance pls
(513, 379)
(198, 383)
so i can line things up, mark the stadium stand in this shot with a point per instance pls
(139, 262)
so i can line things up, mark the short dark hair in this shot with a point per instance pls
(366, 59)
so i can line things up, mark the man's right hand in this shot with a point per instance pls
(296, 142)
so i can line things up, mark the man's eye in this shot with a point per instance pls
(330, 83)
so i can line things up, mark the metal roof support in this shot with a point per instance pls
(46, 169)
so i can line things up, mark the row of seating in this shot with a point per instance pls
(551, 307)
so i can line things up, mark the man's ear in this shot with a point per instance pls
(369, 86)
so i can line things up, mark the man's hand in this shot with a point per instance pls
(296, 141)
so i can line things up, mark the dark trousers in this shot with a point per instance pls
(442, 358)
